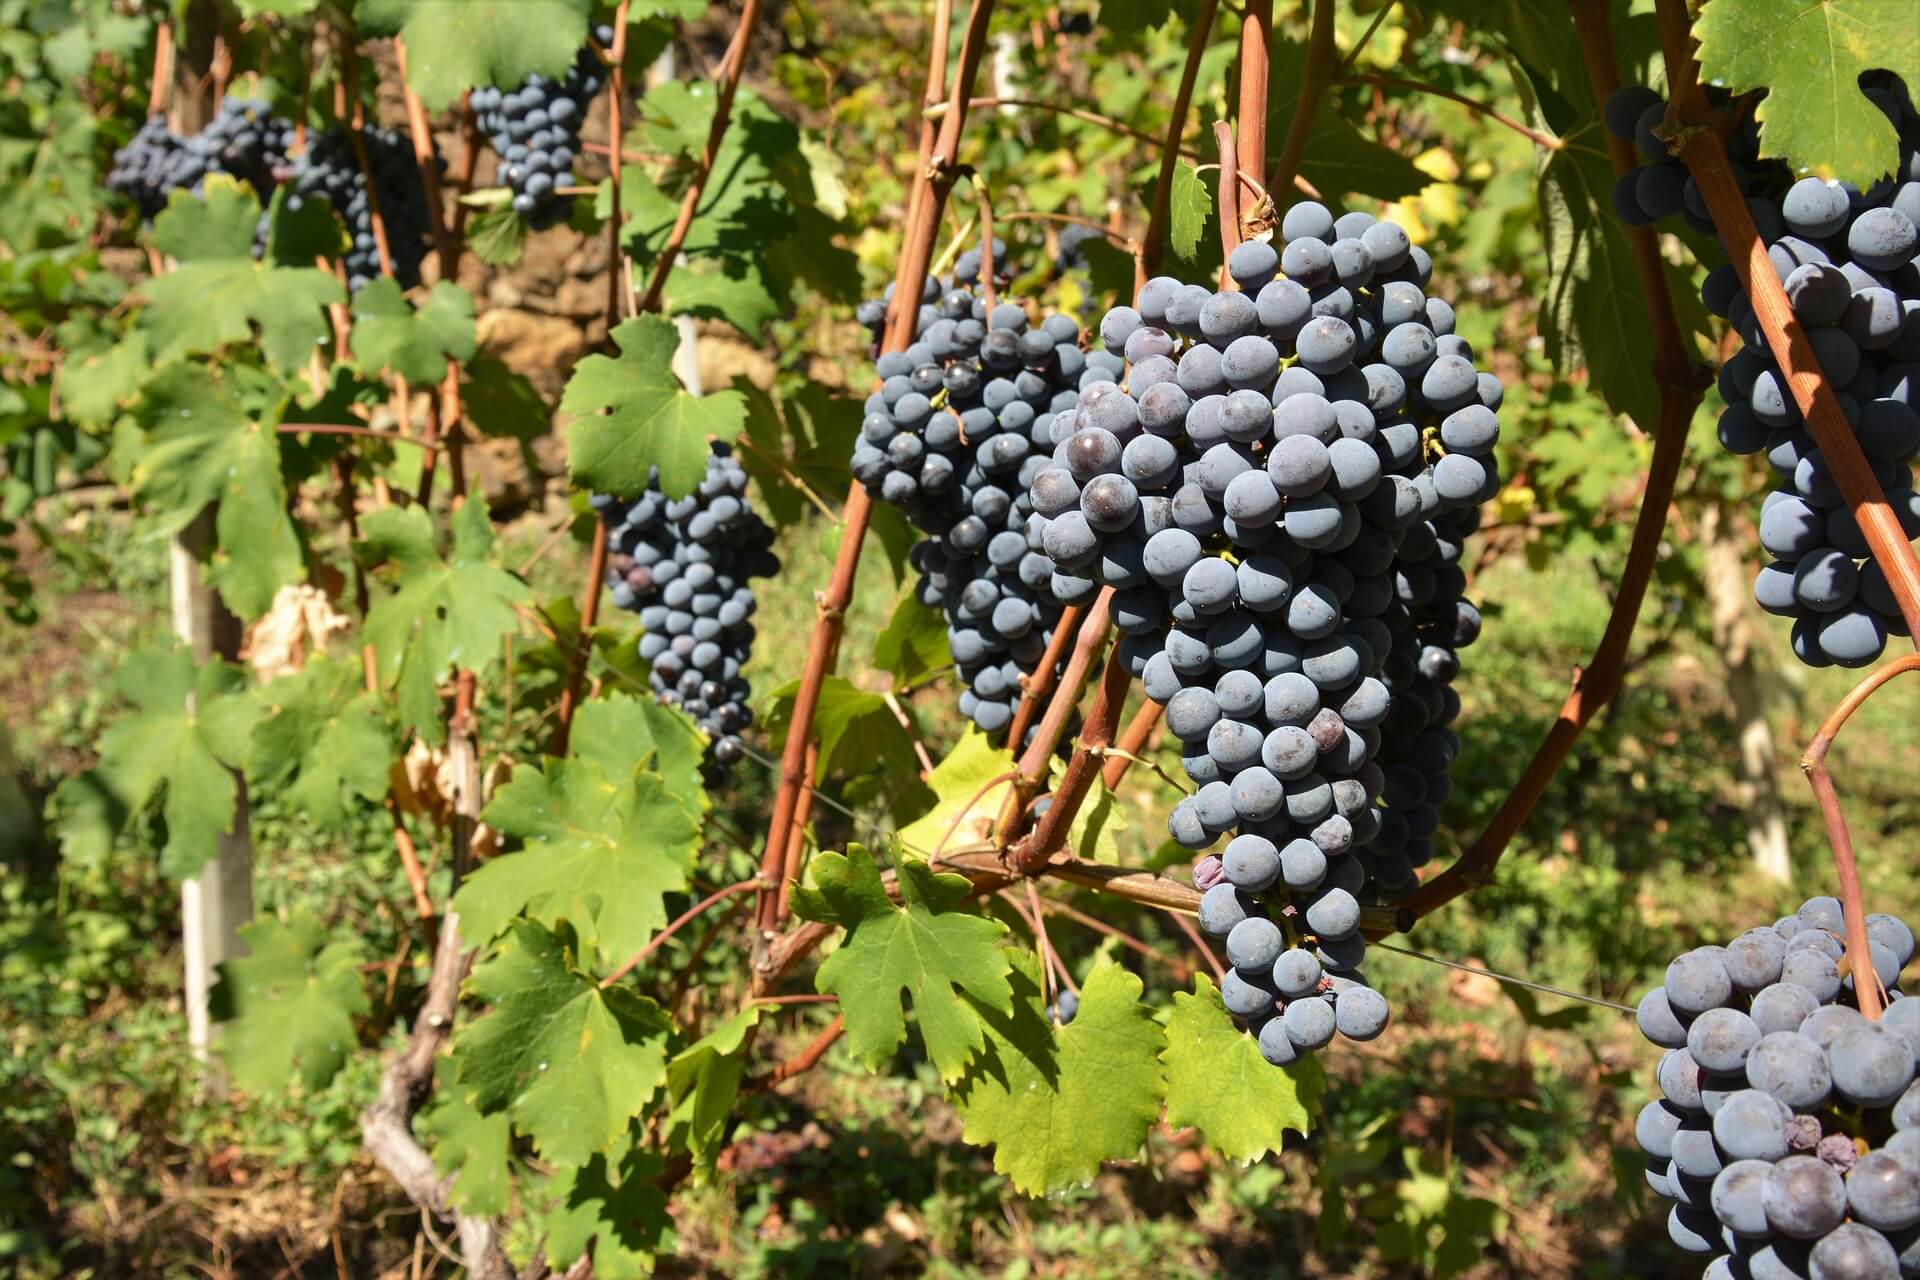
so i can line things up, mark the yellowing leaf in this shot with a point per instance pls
(1218, 1082)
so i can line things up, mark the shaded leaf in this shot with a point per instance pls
(288, 1004)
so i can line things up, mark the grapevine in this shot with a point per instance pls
(526, 718)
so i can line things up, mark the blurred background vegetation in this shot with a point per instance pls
(1488, 1134)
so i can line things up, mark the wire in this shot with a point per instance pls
(1501, 977)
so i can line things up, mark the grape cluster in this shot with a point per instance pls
(535, 128)
(244, 139)
(330, 170)
(684, 565)
(953, 438)
(1788, 1127)
(1277, 494)
(1850, 263)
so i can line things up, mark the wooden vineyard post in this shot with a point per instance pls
(218, 901)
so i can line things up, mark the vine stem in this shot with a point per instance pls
(340, 429)
(1706, 159)
(933, 182)
(1533, 135)
(1035, 687)
(985, 197)
(680, 922)
(731, 68)
(1322, 55)
(1866, 983)
(1156, 237)
(1256, 39)
(617, 287)
(1181, 969)
(807, 1058)
(1132, 743)
(1229, 198)
(1102, 719)
(1681, 387)
(1087, 640)
(159, 88)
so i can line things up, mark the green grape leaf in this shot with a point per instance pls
(288, 1004)
(1056, 1101)
(856, 729)
(618, 733)
(1188, 204)
(1809, 58)
(389, 333)
(573, 1063)
(929, 946)
(321, 737)
(628, 1225)
(441, 613)
(1095, 831)
(962, 802)
(96, 386)
(219, 294)
(734, 290)
(500, 402)
(630, 415)
(190, 734)
(1338, 158)
(217, 224)
(1218, 1082)
(1593, 312)
(601, 849)
(296, 237)
(471, 1147)
(497, 236)
(456, 45)
(914, 640)
(804, 438)
(704, 1079)
(203, 448)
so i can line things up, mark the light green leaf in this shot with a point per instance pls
(914, 641)
(628, 1225)
(288, 1004)
(1218, 1082)
(472, 1147)
(456, 45)
(441, 613)
(1189, 203)
(1056, 1101)
(630, 415)
(602, 849)
(957, 782)
(1096, 828)
(573, 1063)
(704, 1079)
(389, 333)
(321, 737)
(218, 294)
(929, 946)
(619, 733)
(188, 737)
(203, 448)
(856, 729)
(96, 386)
(1809, 58)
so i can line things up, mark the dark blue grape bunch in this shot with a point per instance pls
(1071, 256)
(685, 565)
(1277, 487)
(244, 139)
(535, 129)
(1849, 260)
(330, 170)
(1787, 1130)
(953, 439)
